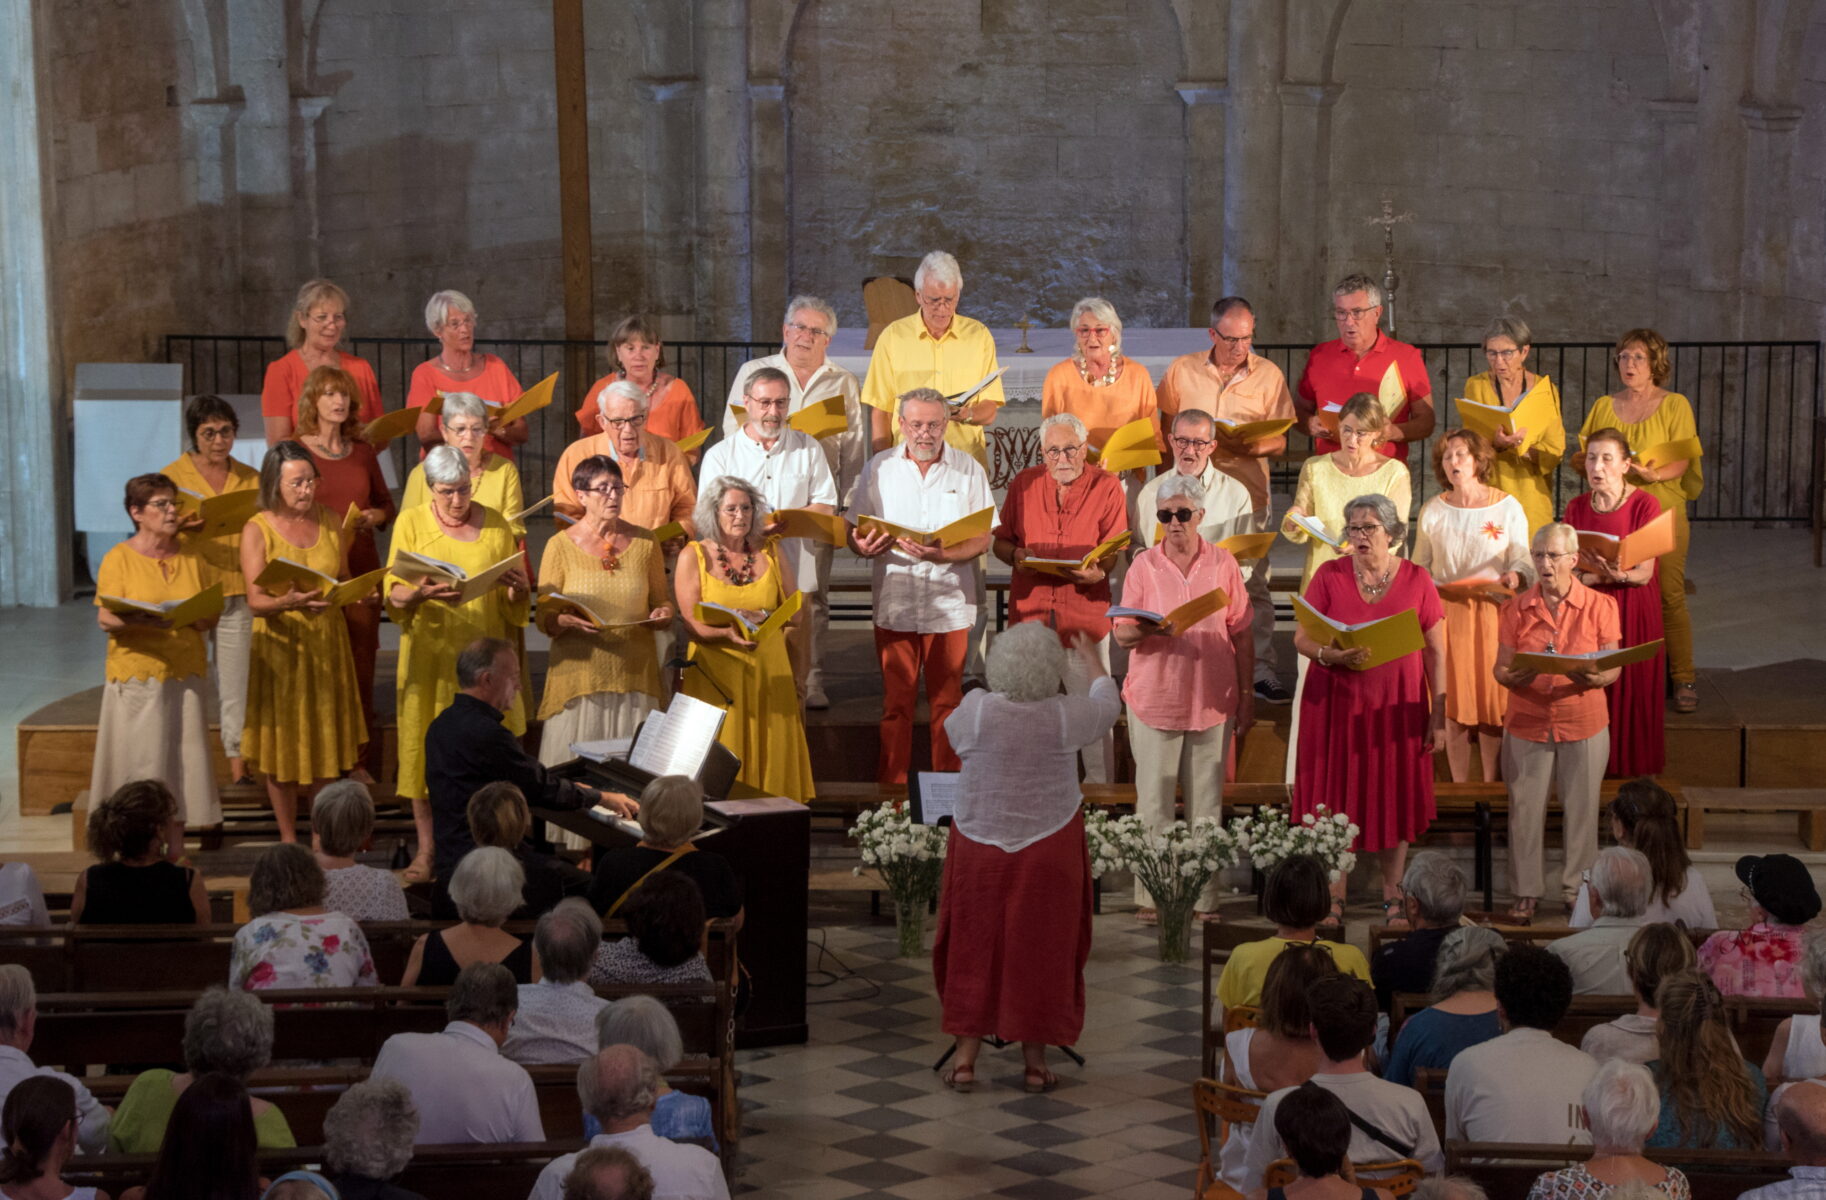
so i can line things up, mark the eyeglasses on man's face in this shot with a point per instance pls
(1060, 453)
(1186, 443)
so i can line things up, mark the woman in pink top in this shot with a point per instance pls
(317, 323)
(1185, 687)
(458, 367)
(1765, 959)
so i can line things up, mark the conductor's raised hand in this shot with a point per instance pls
(1085, 647)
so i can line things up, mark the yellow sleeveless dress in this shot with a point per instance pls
(765, 727)
(1531, 483)
(304, 719)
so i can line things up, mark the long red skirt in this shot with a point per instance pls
(1014, 933)
(1638, 700)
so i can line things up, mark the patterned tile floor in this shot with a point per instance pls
(859, 1112)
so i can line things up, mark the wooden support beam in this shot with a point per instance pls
(574, 195)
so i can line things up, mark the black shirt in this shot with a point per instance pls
(159, 894)
(548, 880)
(360, 1187)
(437, 968)
(617, 871)
(466, 747)
(1406, 964)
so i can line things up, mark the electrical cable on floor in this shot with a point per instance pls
(843, 971)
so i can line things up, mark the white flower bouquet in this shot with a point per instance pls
(1269, 835)
(1173, 862)
(910, 858)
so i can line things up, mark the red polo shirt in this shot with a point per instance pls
(1034, 520)
(1334, 374)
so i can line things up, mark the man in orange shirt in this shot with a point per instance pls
(659, 486)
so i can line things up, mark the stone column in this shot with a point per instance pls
(1305, 193)
(306, 111)
(1252, 153)
(1206, 106)
(722, 253)
(263, 156)
(666, 205)
(768, 283)
(34, 525)
(1768, 215)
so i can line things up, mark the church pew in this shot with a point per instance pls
(1753, 1019)
(1380, 935)
(1508, 1170)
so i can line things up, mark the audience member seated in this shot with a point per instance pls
(21, 899)
(301, 1185)
(1656, 952)
(293, 940)
(1800, 1115)
(18, 1022)
(557, 1018)
(647, 1025)
(138, 834)
(486, 889)
(1296, 897)
(367, 1140)
(39, 1124)
(1620, 1108)
(1710, 1097)
(671, 811)
(498, 816)
(618, 1087)
(665, 942)
(1449, 1187)
(1644, 817)
(1620, 882)
(464, 1089)
(1392, 1121)
(1764, 960)
(226, 1033)
(1315, 1128)
(1278, 1051)
(208, 1149)
(1432, 901)
(1798, 1048)
(608, 1173)
(342, 826)
(1523, 1086)
(1463, 1011)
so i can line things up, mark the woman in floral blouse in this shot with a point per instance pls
(1765, 959)
(293, 941)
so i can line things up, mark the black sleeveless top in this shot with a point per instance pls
(1278, 1194)
(438, 969)
(121, 895)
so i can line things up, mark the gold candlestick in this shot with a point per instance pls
(1023, 325)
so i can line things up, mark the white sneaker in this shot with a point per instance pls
(815, 697)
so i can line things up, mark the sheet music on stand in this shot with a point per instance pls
(933, 796)
(677, 741)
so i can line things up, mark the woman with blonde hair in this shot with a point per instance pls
(1710, 1097)
(317, 322)
(640, 360)
(1327, 481)
(1657, 951)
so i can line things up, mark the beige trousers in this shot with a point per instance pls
(1100, 756)
(1194, 761)
(233, 638)
(1574, 770)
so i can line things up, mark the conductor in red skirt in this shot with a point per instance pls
(1014, 919)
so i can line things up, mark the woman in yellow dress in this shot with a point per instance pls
(1650, 416)
(600, 680)
(154, 702)
(495, 480)
(1528, 477)
(760, 682)
(304, 719)
(451, 528)
(207, 470)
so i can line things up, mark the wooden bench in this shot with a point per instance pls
(1507, 1170)
(1809, 805)
(1753, 1019)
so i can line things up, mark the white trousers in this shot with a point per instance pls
(1100, 756)
(1192, 761)
(1574, 770)
(820, 621)
(233, 639)
(1261, 601)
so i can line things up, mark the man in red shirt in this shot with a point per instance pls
(1360, 361)
(1063, 509)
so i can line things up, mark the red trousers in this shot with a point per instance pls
(904, 656)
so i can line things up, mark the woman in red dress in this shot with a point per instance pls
(1614, 505)
(1373, 731)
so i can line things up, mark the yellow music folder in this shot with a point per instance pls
(1063, 566)
(828, 528)
(723, 616)
(1387, 639)
(413, 567)
(1133, 445)
(282, 574)
(351, 520)
(200, 607)
(666, 532)
(961, 530)
(530, 509)
(1684, 450)
(1248, 547)
(531, 401)
(1182, 618)
(1256, 431)
(1476, 587)
(557, 602)
(687, 444)
(1392, 391)
(1535, 410)
(1632, 549)
(1596, 660)
(821, 420)
(395, 424)
(222, 514)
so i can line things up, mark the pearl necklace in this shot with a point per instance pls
(659, 377)
(1109, 376)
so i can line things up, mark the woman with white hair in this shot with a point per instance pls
(1621, 1107)
(640, 361)
(1189, 691)
(317, 323)
(486, 888)
(458, 367)
(368, 1136)
(647, 1025)
(342, 826)
(434, 628)
(1370, 731)
(728, 585)
(1462, 1012)
(1097, 384)
(1014, 920)
(659, 490)
(493, 479)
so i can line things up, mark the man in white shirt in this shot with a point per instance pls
(790, 471)
(18, 1022)
(556, 1021)
(1621, 880)
(464, 1089)
(618, 1087)
(1227, 504)
(1387, 1120)
(607, 1173)
(1800, 1116)
(1524, 1085)
(925, 595)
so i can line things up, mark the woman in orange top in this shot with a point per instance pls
(1097, 384)
(640, 358)
(317, 323)
(456, 367)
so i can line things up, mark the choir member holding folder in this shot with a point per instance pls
(154, 723)
(304, 721)
(1520, 413)
(318, 322)
(1373, 711)
(1617, 507)
(1097, 384)
(463, 425)
(1188, 689)
(439, 612)
(1557, 730)
(640, 361)
(1474, 540)
(602, 594)
(459, 367)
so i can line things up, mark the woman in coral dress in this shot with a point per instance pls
(640, 359)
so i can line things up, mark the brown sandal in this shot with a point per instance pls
(1036, 1081)
(1686, 698)
(1523, 910)
(953, 1078)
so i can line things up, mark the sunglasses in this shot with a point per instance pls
(1166, 516)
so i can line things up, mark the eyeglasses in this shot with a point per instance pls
(1362, 530)
(807, 330)
(755, 402)
(327, 318)
(1059, 452)
(216, 433)
(1167, 516)
(1085, 331)
(1353, 314)
(923, 426)
(301, 485)
(1632, 356)
(1346, 433)
(625, 422)
(459, 321)
(1236, 342)
(607, 489)
(161, 504)
(1541, 555)
(1186, 443)
(1504, 354)
(937, 301)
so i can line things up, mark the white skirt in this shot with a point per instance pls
(596, 717)
(158, 729)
